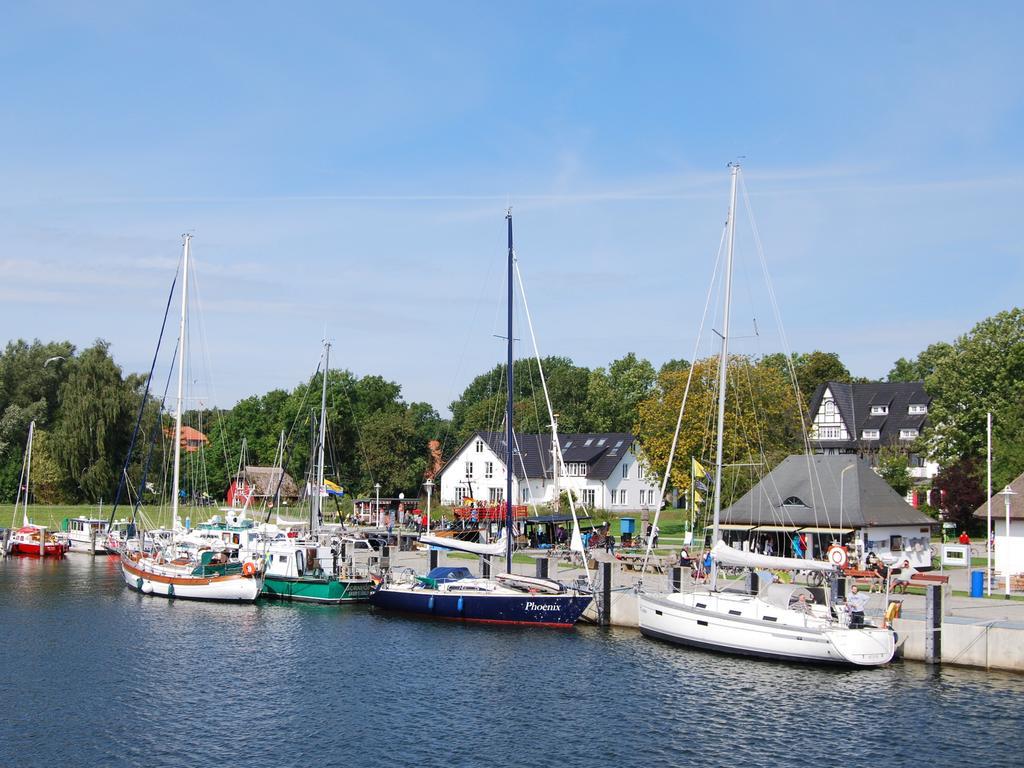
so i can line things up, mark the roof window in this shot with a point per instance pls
(794, 501)
(588, 442)
(879, 410)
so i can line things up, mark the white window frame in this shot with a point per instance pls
(640, 474)
(879, 410)
(588, 497)
(916, 409)
(488, 470)
(869, 434)
(625, 471)
(479, 446)
(469, 470)
(496, 495)
(908, 434)
(622, 497)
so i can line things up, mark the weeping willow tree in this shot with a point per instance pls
(94, 424)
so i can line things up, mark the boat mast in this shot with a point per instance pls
(181, 383)
(28, 469)
(318, 499)
(509, 434)
(723, 361)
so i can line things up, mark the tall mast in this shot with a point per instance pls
(509, 434)
(321, 439)
(28, 468)
(723, 361)
(181, 382)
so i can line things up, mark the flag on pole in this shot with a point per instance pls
(333, 489)
(700, 474)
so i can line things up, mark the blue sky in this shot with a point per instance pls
(346, 167)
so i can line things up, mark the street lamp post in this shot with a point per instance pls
(1007, 492)
(429, 485)
(376, 487)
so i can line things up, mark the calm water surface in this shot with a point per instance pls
(95, 674)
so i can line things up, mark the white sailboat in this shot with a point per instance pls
(771, 620)
(195, 574)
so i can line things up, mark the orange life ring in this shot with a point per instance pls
(249, 569)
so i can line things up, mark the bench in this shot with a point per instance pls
(860, 577)
(918, 580)
(631, 561)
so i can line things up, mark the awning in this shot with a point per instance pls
(776, 529)
(729, 527)
(826, 530)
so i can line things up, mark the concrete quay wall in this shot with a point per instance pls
(993, 644)
(975, 633)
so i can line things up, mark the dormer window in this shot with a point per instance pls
(916, 409)
(879, 410)
(908, 434)
(869, 434)
(794, 501)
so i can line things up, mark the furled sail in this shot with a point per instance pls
(494, 548)
(726, 555)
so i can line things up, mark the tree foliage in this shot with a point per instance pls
(90, 437)
(961, 491)
(894, 468)
(762, 422)
(981, 371)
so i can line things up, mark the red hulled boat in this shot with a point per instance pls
(34, 541)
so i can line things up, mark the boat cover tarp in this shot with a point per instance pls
(494, 548)
(443, 574)
(726, 555)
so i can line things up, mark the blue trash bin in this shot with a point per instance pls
(977, 583)
(627, 526)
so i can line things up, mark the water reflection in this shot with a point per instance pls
(97, 674)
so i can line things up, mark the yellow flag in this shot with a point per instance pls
(697, 498)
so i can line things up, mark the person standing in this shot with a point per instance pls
(856, 601)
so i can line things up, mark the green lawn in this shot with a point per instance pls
(51, 515)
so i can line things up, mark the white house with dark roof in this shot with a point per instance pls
(861, 418)
(603, 470)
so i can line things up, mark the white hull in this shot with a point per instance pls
(88, 546)
(749, 626)
(171, 581)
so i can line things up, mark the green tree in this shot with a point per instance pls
(93, 424)
(894, 468)
(614, 397)
(923, 366)
(981, 371)
(481, 406)
(762, 421)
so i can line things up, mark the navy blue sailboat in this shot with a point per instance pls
(507, 598)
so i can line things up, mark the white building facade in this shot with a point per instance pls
(604, 471)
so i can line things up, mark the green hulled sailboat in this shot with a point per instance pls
(319, 567)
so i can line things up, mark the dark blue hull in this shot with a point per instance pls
(539, 610)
